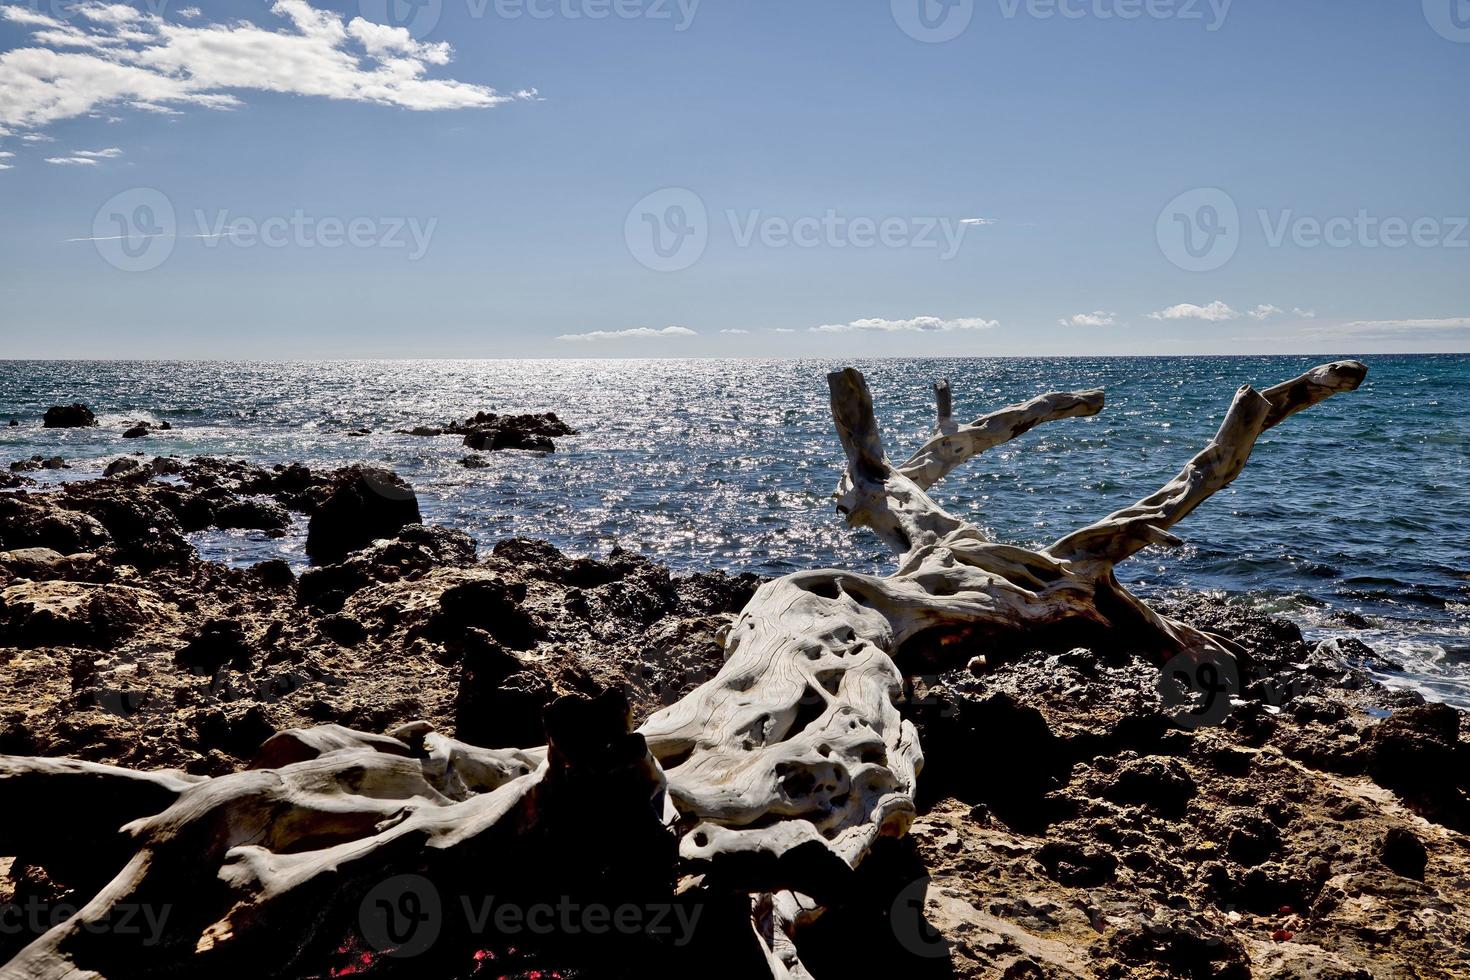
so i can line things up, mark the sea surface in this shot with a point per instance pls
(1357, 507)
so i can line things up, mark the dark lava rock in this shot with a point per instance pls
(1403, 853)
(138, 430)
(126, 464)
(102, 617)
(499, 702)
(73, 416)
(1072, 864)
(39, 463)
(343, 630)
(490, 605)
(497, 439)
(1415, 747)
(258, 515)
(27, 524)
(474, 462)
(274, 573)
(363, 505)
(218, 643)
(1154, 781)
(1187, 945)
(415, 549)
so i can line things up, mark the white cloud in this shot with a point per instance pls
(121, 55)
(1263, 311)
(72, 161)
(631, 333)
(918, 324)
(1391, 328)
(6, 166)
(38, 138)
(6, 154)
(1097, 318)
(734, 330)
(1215, 312)
(977, 221)
(190, 13)
(107, 154)
(1304, 314)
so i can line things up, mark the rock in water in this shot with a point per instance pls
(363, 505)
(73, 416)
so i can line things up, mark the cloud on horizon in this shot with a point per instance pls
(1096, 318)
(118, 55)
(1391, 328)
(1215, 312)
(632, 333)
(918, 324)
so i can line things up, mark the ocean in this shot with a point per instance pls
(1357, 506)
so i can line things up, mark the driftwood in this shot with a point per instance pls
(770, 782)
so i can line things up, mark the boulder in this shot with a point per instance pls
(34, 614)
(73, 416)
(363, 504)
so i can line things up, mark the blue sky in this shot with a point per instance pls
(487, 177)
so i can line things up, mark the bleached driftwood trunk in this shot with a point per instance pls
(776, 776)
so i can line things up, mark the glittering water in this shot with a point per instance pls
(1360, 504)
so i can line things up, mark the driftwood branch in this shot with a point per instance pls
(770, 783)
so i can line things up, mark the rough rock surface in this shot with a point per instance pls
(488, 432)
(1072, 823)
(73, 416)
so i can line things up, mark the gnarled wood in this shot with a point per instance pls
(777, 775)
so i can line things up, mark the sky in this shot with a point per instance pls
(667, 178)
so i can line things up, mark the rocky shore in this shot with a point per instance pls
(1072, 825)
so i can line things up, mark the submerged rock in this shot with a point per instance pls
(364, 504)
(73, 416)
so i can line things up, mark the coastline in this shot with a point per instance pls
(1068, 827)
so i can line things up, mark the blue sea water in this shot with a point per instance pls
(1361, 504)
